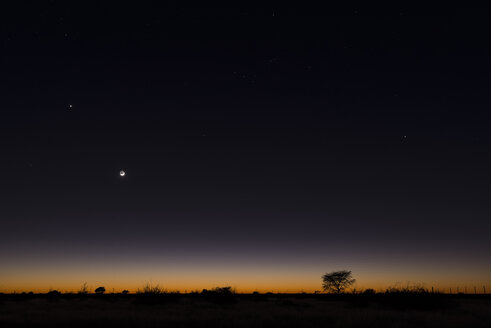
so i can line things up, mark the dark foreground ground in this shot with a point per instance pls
(299, 310)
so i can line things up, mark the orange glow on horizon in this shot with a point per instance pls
(241, 285)
(244, 278)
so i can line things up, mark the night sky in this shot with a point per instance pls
(263, 145)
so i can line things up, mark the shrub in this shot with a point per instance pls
(53, 292)
(415, 289)
(148, 289)
(84, 289)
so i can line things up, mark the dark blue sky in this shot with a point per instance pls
(254, 138)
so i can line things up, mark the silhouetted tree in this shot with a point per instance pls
(337, 281)
(100, 290)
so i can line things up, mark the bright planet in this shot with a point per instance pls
(122, 173)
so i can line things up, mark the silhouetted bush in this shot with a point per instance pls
(151, 294)
(415, 297)
(223, 290)
(218, 291)
(149, 289)
(53, 293)
(414, 289)
(84, 290)
(124, 292)
(100, 290)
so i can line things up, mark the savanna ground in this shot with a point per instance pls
(245, 310)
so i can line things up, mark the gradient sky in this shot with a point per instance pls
(263, 146)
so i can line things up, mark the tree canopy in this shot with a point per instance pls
(337, 281)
